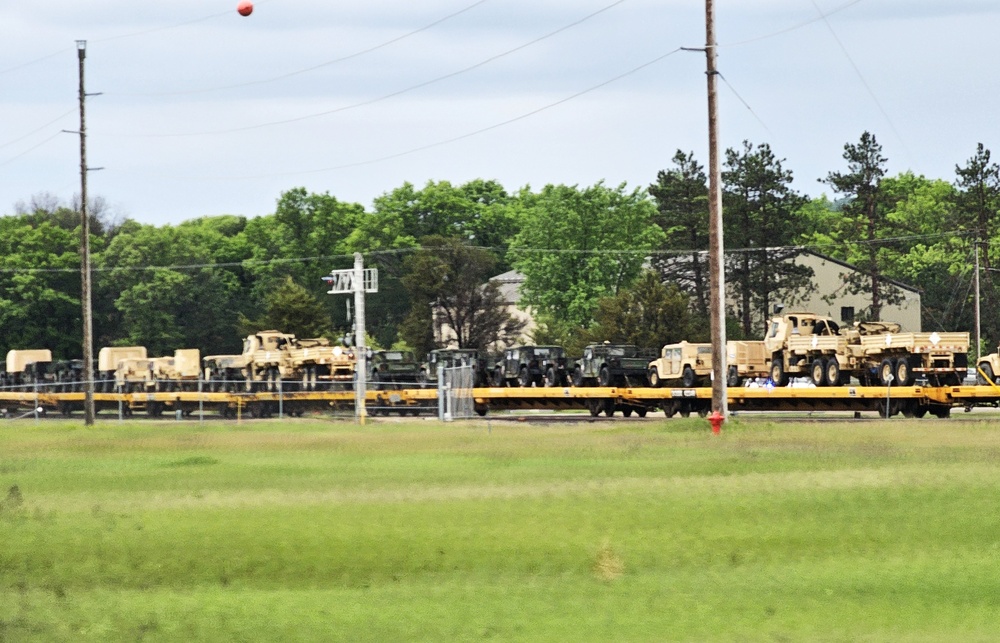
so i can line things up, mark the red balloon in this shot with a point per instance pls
(245, 7)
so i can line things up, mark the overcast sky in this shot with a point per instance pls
(205, 112)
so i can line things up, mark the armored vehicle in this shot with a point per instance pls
(532, 366)
(612, 365)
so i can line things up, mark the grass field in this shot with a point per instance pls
(630, 531)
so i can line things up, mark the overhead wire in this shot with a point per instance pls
(794, 27)
(30, 149)
(304, 70)
(445, 141)
(861, 77)
(412, 249)
(393, 94)
(38, 129)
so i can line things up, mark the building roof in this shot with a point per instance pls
(509, 284)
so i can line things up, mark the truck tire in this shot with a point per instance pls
(550, 377)
(604, 376)
(904, 376)
(577, 376)
(733, 378)
(523, 377)
(833, 377)
(688, 378)
(498, 378)
(778, 375)
(988, 371)
(654, 378)
(886, 369)
(817, 372)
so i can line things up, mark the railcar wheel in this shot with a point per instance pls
(594, 407)
(641, 411)
(627, 411)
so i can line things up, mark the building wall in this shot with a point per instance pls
(829, 283)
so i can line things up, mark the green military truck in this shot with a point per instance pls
(612, 365)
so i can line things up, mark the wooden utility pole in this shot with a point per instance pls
(716, 263)
(88, 328)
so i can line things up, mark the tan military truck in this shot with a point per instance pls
(177, 373)
(270, 357)
(684, 363)
(107, 364)
(803, 344)
(746, 360)
(26, 368)
(988, 368)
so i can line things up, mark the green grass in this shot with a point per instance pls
(312, 530)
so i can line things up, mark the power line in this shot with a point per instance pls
(401, 251)
(350, 56)
(399, 92)
(446, 141)
(52, 122)
(864, 82)
(794, 27)
(30, 149)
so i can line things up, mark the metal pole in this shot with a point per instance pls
(361, 365)
(717, 275)
(88, 329)
(978, 343)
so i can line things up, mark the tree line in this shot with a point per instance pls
(599, 262)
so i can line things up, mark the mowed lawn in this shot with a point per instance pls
(628, 531)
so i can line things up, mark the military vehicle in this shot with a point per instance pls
(804, 344)
(273, 361)
(453, 357)
(684, 363)
(612, 365)
(393, 370)
(26, 368)
(531, 366)
(107, 364)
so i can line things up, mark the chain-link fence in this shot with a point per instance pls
(455, 393)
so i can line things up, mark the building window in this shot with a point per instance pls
(847, 314)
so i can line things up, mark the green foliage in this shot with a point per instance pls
(762, 222)
(863, 224)
(167, 291)
(648, 314)
(681, 197)
(290, 308)
(578, 245)
(39, 286)
(448, 284)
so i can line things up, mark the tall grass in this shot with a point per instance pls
(421, 531)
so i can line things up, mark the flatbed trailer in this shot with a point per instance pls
(910, 401)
